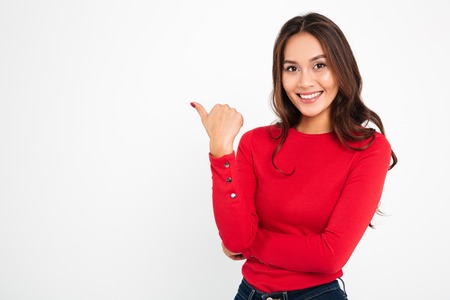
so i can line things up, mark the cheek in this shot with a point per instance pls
(288, 83)
(329, 81)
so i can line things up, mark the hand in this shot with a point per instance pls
(222, 124)
(232, 255)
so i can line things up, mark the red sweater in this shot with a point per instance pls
(296, 231)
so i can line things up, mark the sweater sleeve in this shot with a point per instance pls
(233, 189)
(328, 251)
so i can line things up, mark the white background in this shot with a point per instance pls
(105, 189)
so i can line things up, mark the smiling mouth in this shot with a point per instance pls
(310, 96)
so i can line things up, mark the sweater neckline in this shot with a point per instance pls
(311, 135)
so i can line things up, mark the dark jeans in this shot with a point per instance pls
(328, 291)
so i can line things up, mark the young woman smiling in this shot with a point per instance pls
(298, 196)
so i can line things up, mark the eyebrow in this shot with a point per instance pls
(312, 59)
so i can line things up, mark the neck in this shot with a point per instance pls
(311, 126)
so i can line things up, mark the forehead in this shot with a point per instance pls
(302, 46)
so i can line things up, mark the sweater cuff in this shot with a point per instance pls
(223, 174)
(221, 161)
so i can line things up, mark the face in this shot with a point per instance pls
(309, 82)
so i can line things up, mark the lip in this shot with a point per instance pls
(309, 100)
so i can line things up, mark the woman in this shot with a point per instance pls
(298, 196)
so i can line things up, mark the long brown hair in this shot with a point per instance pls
(349, 115)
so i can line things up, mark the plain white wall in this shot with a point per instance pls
(104, 175)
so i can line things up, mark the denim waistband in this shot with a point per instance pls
(248, 292)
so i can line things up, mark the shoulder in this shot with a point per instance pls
(380, 143)
(377, 142)
(262, 133)
(378, 150)
(259, 138)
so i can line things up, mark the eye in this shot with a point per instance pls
(291, 69)
(319, 66)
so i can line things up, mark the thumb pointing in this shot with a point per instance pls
(200, 109)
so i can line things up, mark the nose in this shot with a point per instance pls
(306, 79)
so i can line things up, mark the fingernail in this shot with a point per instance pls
(193, 104)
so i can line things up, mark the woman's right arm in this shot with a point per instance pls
(234, 186)
(234, 182)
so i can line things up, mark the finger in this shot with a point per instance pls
(200, 109)
(238, 257)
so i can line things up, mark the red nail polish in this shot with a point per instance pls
(193, 104)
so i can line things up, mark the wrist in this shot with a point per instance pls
(218, 150)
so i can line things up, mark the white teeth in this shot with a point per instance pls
(310, 96)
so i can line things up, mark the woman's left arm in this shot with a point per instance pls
(329, 251)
